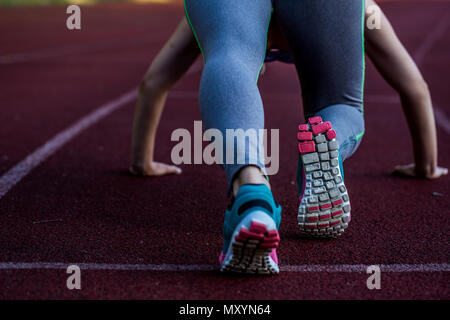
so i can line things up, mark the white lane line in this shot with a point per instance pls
(24, 167)
(20, 170)
(348, 268)
(432, 267)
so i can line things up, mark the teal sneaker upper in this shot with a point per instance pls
(341, 165)
(249, 198)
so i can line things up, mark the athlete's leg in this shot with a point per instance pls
(232, 36)
(326, 41)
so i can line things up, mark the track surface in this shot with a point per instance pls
(51, 77)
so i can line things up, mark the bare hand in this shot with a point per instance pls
(154, 169)
(411, 171)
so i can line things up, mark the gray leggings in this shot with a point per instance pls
(327, 45)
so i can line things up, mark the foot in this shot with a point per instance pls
(324, 209)
(411, 170)
(251, 232)
(154, 168)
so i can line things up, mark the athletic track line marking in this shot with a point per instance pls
(348, 268)
(24, 167)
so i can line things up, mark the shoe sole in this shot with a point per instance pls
(250, 249)
(324, 210)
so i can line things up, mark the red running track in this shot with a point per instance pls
(79, 206)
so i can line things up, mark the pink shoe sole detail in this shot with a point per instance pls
(321, 127)
(325, 216)
(252, 250)
(331, 134)
(323, 225)
(314, 120)
(304, 136)
(306, 147)
(334, 214)
(334, 223)
(303, 127)
(274, 256)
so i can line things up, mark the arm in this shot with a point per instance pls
(174, 59)
(398, 68)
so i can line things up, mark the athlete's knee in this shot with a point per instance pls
(357, 119)
(348, 120)
(230, 63)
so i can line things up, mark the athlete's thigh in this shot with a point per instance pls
(239, 25)
(326, 41)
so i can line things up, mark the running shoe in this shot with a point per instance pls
(324, 209)
(251, 232)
